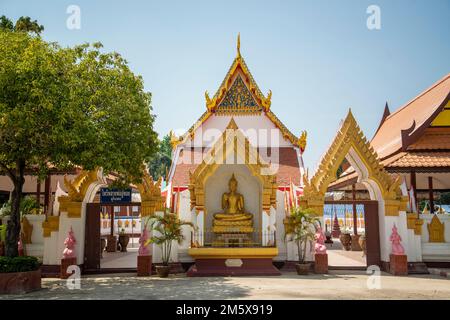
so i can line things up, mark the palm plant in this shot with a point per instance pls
(168, 229)
(300, 227)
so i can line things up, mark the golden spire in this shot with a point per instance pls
(239, 45)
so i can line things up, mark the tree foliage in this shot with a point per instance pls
(22, 24)
(162, 159)
(62, 107)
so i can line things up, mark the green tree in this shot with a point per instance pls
(444, 198)
(65, 107)
(22, 24)
(161, 161)
(6, 24)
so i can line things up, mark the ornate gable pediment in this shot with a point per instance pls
(238, 99)
(240, 95)
(232, 143)
(348, 137)
(238, 92)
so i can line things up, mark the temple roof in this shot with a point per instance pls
(404, 126)
(408, 140)
(239, 94)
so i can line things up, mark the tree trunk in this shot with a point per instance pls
(13, 228)
(299, 248)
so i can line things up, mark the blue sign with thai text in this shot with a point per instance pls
(108, 195)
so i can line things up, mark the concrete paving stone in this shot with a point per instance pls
(333, 286)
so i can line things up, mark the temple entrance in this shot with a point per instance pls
(112, 236)
(352, 231)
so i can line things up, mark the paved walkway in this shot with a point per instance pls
(120, 259)
(337, 256)
(336, 285)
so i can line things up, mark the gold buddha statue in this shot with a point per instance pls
(233, 219)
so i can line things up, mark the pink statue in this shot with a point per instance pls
(319, 246)
(69, 243)
(20, 247)
(397, 248)
(143, 246)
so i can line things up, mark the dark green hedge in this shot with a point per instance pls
(18, 264)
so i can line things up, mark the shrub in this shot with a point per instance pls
(18, 264)
(28, 205)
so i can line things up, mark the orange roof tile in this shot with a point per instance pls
(423, 159)
(433, 139)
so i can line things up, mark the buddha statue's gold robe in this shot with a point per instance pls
(234, 218)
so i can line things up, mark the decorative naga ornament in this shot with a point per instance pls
(319, 246)
(436, 230)
(302, 141)
(174, 140)
(69, 243)
(143, 245)
(397, 248)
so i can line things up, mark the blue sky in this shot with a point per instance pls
(317, 57)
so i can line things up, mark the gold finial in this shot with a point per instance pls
(239, 45)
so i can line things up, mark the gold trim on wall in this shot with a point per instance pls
(436, 230)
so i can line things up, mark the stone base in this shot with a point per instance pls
(398, 265)
(65, 263)
(321, 263)
(233, 267)
(111, 244)
(233, 262)
(144, 266)
(20, 282)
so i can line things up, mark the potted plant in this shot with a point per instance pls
(123, 240)
(19, 275)
(346, 238)
(167, 228)
(299, 228)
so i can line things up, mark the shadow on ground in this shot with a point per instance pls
(134, 288)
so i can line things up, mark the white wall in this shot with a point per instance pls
(432, 251)
(36, 248)
(253, 126)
